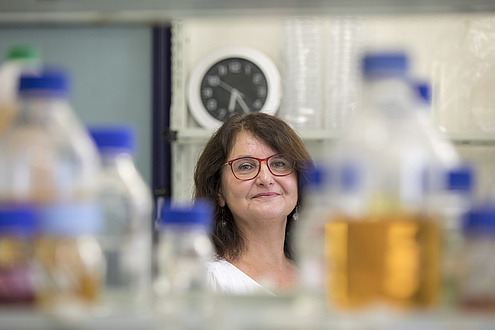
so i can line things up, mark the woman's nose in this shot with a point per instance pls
(264, 176)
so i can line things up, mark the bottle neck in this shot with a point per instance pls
(391, 96)
(41, 107)
(116, 157)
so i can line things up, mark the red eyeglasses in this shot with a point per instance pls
(248, 168)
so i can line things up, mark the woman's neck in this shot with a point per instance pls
(264, 258)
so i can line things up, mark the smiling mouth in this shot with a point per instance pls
(266, 195)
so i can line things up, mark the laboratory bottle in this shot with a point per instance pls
(453, 204)
(46, 154)
(309, 234)
(18, 227)
(126, 232)
(71, 264)
(19, 59)
(182, 297)
(476, 290)
(378, 221)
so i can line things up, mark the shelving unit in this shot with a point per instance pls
(156, 11)
(190, 137)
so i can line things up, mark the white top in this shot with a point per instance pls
(223, 277)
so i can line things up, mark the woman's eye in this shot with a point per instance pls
(245, 167)
(278, 164)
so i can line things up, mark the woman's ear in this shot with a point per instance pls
(221, 200)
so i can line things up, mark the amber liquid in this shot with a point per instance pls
(7, 114)
(392, 259)
(16, 272)
(67, 277)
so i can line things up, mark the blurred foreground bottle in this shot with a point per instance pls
(18, 227)
(20, 59)
(127, 226)
(71, 265)
(477, 273)
(382, 230)
(46, 155)
(184, 248)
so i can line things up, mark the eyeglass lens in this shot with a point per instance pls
(248, 168)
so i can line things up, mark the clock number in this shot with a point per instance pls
(207, 92)
(213, 80)
(261, 92)
(257, 78)
(222, 113)
(235, 66)
(211, 105)
(247, 69)
(222, 70)
(257, 104)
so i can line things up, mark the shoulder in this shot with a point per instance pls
(223, 277)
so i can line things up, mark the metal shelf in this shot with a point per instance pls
(152, 11)
(201, 135)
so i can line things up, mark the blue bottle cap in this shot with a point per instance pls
(315, 177)
(18, 220)
(480, 220)
(199, 213)
(120, 137)
(423, 91)
(350, 176)
(50, 81)
(460, 178)
(71, 219)
(385, 64)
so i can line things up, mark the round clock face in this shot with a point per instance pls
(230, 81)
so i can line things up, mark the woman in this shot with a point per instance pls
(251, 170)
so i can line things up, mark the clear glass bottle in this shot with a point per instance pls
(127, 227)
(182, 296)
(453, 204)
(476, 290)
(70, 259)
(18, 227)
(19, 59)
(46, 154)
(382, 243)
(309, 252)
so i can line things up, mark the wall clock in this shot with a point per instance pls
(232, 80)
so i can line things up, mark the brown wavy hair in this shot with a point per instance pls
(226, 236)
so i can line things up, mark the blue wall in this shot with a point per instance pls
(111, 73)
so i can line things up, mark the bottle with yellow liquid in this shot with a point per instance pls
(71, 265)
(382, 234)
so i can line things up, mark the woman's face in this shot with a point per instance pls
(266, 196)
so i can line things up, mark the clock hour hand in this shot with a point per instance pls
(241, 101)
(229, 88)
(232, 100)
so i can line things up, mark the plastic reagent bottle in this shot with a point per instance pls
(127, 203)
(18, 227)
(184, 248)
(19, 59)
(382, 243)
(46, 154)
